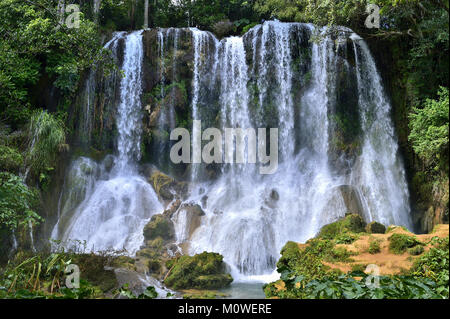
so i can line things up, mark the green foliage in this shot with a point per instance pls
(318, 12)
(429, 130)
(308, 260)
(346, 238)
(149, 293)
(350, 223)
(374, 247)
(42, 275)
(338, 254)
(434, 265)
(46, 138)
(398, 243)
(346, 287)
(17, 202)
(202, 271)
(35, 48)
(10, 159)
(416, 250)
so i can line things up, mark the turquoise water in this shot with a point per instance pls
(245, 290)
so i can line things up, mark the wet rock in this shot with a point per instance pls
(159, 226)
(352, 199)
(166, 187)
(192, 217)
(204, 200)
(108, 162)
(274, 195)
(172, 208)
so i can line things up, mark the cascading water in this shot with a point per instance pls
(117, 201)
(380, 172)
(249, 217)
(274, 76)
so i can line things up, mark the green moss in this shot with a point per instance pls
(159, 226)
(350, 223)
(398, 243)
(202, 271)
(154, 265)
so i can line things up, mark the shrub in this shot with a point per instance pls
(10, 159)
(434, 265)
(17, 202)
(398, 243)
(374, 247)
(47, 138)
(346, 238)
(429, 130)
(416, 250)
(346, 287)
(339, 254)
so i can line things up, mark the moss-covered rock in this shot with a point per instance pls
(375, 228)
(166, 187)
(350, 223)
(201, 271)
(92, 268)
(159, 226)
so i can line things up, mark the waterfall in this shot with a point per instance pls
(290, 76)
(117, 201)
(249, 217)
(200, 44)
(380, 173)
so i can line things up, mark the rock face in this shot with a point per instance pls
(188, 219)
(159, 226)
(201, 271)
(352, 199)
(375, 228)
(166, 187)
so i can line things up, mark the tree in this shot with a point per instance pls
(429, 130)
(16, 202)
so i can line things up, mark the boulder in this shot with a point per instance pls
(166, 187)
(159, 226)
(350, 223)
(375, 228)
(201, 271)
